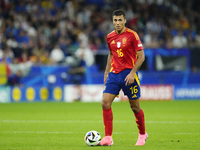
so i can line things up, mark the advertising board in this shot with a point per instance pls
(4, 94)
(93, 93)
(189, 92)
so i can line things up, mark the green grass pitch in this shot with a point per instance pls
(171, 125)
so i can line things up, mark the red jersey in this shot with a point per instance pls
(123, 47)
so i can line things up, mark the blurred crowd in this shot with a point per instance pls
(43, 32)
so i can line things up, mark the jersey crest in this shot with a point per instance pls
(124, 40)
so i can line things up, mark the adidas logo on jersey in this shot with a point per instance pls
(113, 42)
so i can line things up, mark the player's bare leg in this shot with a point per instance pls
(139, 118)
(107, 100)
(107, 118)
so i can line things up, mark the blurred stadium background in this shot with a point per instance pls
(41, 40)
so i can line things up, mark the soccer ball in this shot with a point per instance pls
(92, 138)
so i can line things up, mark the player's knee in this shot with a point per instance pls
(105, 104)
(135, 108)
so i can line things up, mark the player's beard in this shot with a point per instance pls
(119, 29)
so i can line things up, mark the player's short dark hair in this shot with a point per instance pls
(119, 12)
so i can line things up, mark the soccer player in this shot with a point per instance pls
(125, 57)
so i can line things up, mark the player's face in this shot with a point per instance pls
(119, 23)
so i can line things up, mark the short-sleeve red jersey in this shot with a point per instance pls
(123, 47)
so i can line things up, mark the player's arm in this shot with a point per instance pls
(108, 66)
(139, 62)
(140, 59)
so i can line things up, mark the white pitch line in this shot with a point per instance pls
(49, 121)
(100, 121)
(43, 132)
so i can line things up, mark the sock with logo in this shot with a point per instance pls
(108, 121)
(139, 119)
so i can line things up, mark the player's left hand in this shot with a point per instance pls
(129, 79)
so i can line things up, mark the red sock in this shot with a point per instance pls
(139, 119)
(108, 121)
